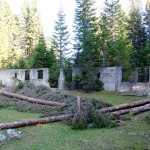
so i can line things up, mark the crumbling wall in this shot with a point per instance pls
(10, 77)
(112, 79)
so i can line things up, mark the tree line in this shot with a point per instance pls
(112, 38)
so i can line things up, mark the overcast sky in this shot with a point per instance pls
(49, 8)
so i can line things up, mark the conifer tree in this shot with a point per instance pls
(137, 34)
(61, 37)
(114, 45)
(9, 33)
(30, 26)
(41, 57)
(87, 56)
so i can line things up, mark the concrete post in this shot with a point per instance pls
(61, 80)
(135, 75)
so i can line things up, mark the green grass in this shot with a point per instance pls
(8, 115)
(58, 136)
(110, 97)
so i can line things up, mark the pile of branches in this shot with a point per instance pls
(81, 112)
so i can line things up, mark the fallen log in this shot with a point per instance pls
(124, 106)
(132, 111)
(35, 122)
(31, 100)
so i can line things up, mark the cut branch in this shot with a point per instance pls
(125, 106)
(132, 111)
(35, 122)
(31, 100)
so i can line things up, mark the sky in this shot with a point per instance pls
(48, 10)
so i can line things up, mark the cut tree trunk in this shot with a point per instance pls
(132, 111)
(124, 106)
(31, 100)
(35, 122)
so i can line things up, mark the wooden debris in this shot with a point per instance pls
(31, 100)
(124, 106)
(35, 122)
(132, 111)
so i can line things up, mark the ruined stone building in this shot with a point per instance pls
(112, 77)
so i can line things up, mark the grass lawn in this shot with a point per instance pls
(130, 135)
(109, 97)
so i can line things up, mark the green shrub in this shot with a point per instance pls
(91, 85)
(79, 122)
(100, 120)
(87, 84)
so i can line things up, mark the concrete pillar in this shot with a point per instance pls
(135, 75)
(33, 74)
(45, 74)
(61, 80)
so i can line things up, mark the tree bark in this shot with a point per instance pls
(35, 122)
(31, 100)
(124, 106)
(132, 111)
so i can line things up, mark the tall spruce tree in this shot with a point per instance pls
(41, 57)
(114, 45)
(137, 34)
(85, 29)
(9, 33)
(61, 37)
(30, 26)
(145, 53)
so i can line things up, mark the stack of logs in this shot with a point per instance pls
(133, 109)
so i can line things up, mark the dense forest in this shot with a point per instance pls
(112, 38)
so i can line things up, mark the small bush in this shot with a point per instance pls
(99, 120)
(87, 84)
(91, 85)
(79, 122)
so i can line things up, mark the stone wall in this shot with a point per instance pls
(10, 77)
(112, 79)
(134, 87)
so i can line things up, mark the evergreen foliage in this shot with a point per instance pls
(87, 58)
(137, 34)
(113, 39)
(61, 37)
(114, 45)
(61, 40)
(54, 68)
(30, 27)
(9, 37)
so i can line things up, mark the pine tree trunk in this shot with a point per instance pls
(124, 106)
(132, 111)
(31, 100)
(35, 121)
